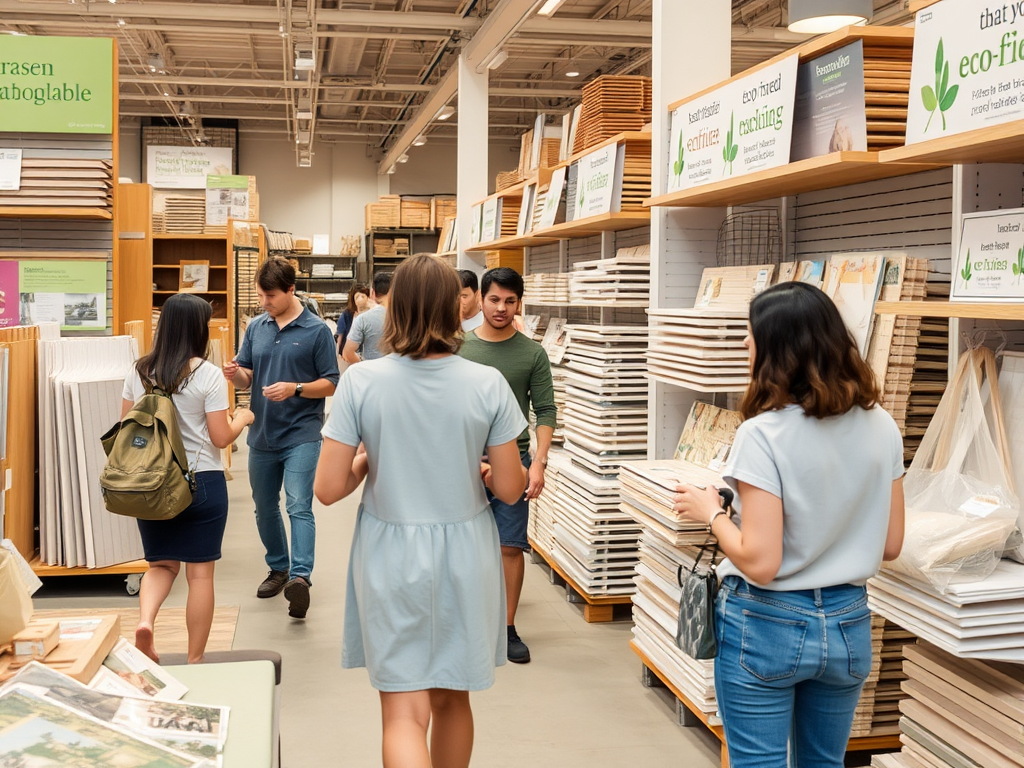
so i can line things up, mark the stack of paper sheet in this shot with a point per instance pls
(963, 713)
(80, 384)
(701, 349)
(978, 620)
(541, 529)
(625, 278)
(544, 287)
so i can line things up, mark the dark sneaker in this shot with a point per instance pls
(518, 653)
(273, 584)
(297, 595)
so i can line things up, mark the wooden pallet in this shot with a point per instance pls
(596, 609)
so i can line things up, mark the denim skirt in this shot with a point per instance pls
(195, 535)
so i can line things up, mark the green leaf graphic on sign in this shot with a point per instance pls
(942, 96)
(677, 166)
(965, 273)
(1018, 268)
(730, 150)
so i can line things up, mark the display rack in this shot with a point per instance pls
(420, 241)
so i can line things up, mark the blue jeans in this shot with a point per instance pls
(789, 670)
(294, 468)
(513, 520)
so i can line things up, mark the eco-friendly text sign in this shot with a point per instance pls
(56, 84)
(968, 69)
(744, 126)
(829, 113)
(185, 167)
(599, 182)
(990, 263)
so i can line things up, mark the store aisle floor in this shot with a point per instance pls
(578, 704)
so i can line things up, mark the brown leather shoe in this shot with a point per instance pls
(273, 584)
(297, 595)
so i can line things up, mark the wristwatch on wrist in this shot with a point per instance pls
(298, 390)
(715, 514)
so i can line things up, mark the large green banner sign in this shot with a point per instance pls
(56, 84)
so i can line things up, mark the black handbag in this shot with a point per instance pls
(695, 630)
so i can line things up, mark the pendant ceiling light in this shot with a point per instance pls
(816, 17)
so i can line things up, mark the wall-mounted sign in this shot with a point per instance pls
(990, 263)
(227, 197)
(72, 293)
(968, 69)
(744, 126)
(10, 169)
(490, 220)
(186, 167)
(57, 84)
(553, 199)
(599, 181)
(829, 113)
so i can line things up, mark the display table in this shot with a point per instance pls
(247, 687)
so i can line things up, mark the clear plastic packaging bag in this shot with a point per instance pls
(961, 504)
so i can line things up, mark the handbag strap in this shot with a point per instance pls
(696, 562)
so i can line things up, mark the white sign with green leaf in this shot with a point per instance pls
(990, 261)
(968, 69)
(746, 125)
(599, 182)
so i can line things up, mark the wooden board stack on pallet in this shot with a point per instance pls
(886, 92)
(386, 213)
(62, 182)
(415, 212)
(613, 104)
(443, 207)
(962, 713)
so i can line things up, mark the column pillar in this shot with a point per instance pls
(473, 138)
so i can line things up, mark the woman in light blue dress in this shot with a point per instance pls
(424, 609)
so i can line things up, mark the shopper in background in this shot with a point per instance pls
(364, 339)
(351, 311)
(288, 359)
(423, 610)
(469, 301)
(817, 468)
(524, 364)
(178, 365)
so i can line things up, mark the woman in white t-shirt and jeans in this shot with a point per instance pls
(178, 365)
(817, 468)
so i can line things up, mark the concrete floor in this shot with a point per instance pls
(578, 704)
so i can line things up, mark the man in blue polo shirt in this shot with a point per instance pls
(288, 359)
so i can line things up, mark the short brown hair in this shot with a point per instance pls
(423, 313)
(804, 354)
(275, 274)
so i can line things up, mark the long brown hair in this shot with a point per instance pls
(804, 354)
(423, 315)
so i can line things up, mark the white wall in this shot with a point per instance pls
(432, 168)
(130, 162)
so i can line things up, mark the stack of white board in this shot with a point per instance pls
(647, 489)
(541, 528)
(625, 278)
(701, 349)
(546, 287)
(80, 384)
(960, 712)
(978, 620)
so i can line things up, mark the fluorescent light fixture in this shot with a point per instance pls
(403, 158)
(572, 73)
(818, 17)
(445, 112)
(304, 59)
(420, 141)
(391, 170)
(499, 58)
(549, 7)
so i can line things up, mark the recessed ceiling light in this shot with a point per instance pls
(572, 73)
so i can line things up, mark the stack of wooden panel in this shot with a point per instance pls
(541, 528)
(612, 104)
(384, 246)
(506, 179)
(159, 224)
(636, 175)
(700, 348)
(184, 215)
(444, 207)
(401, 245)
(627, 277)
(864, 715)
(546, 287)
(386, 213)
(512, 258)
(889, 692)
(930, 376)
(959, 713)
(415, 212)
(886, 91)
(62, 182)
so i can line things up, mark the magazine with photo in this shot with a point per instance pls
(198, 730)
(42, 733)
(140, 672)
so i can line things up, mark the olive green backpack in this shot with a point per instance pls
(147, 474)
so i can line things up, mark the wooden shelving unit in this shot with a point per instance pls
(169, 250)
(948, 309)
(43, 570)
(42, 212)
(420, 241)
(993, 144)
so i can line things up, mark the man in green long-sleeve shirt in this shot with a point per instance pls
(524, 364)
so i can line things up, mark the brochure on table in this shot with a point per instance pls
(10, 170)
(187, 167)
(968, 69)
(829, 113)
(72, 293)
(227, 197)
(57, 85)
(599, 181)
(744, 126)
(990, 261)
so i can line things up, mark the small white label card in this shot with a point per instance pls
(990, 262)
(10, 169)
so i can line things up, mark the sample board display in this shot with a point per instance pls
(830, 114)
(227, 197)
(744, 126)
(71, 293)
(968, 67)
(599, 181)
(990, 261)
